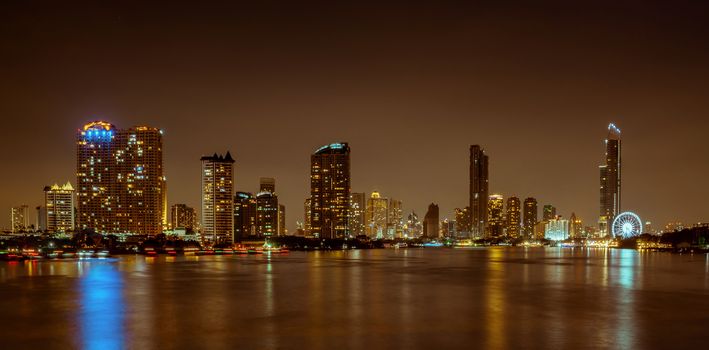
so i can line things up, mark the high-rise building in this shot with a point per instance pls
(478, 190)
(307, 209)
(217, 198)
(413, 227)
(358, 208)
(610, 179)
(183, 216)
(431, 228)
(267, 184)
(513, 217)
(549, 212)
(530, 216)
(377, 216)
(20, 217)
(266, 214)
(330, 191)
(462, 221)
(41, 224)
(557, 229)
(120, 186)
(282, 220)
(495, 219)
(244, 215)
(395, 220)
(59, 208)
(575, 227)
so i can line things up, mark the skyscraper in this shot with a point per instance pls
(462, 221)
(530, 216)
(183, 216)
(282, 220)
(266, 214)
(308, 210)
(377, 216)
(330, 191)
(556, 229)
(478, 190)
(119, 178)
(610, 179)
(59, 208)
(575, 227)
(513, 217)
(244, 215)
(413, 227)
(267, 184)
(495, 220)
(430, 222)
(217, 198)
(358, 208)
(395, 220)
(20, 217)
(549, 212)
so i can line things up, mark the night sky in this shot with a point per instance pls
(410, 85)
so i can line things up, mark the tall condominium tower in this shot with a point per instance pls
(59, 208)
(267, 184)
(308, 211)
(377, 216)
(431, 228)
(358, 208)
(530, 216)
(330, 191)
(183, 216)
(462, 220)
(282, 231)
(20, 217)
(120, 186)
(495, 220)
(217, 198)
(549, 212)
(610, 179)
(478, 190)
(244, 215)
(266, 214)
(395, 219)
(513, 217)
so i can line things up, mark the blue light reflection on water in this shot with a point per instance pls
(102, 307)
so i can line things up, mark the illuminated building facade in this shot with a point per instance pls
(330, 191)
(413, 227)
(495, 219)
(549, 212)
(244, 215)
(20, 218)
(183, 216)
(217, 198)
(556, 229)
(530, 216)
(478, 190)
(357, 215)
(575, 227)
(59, 208)
(463, 225)
(610, 179)
(395, 220)
(377, 216)
(120, 186)
(282, 220)
(307, 209)
(514, 218)
(431, 228)
(267, 184)
(266, 214)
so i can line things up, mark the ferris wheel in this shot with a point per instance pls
(627, 225)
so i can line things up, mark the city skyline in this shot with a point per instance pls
(421, 94)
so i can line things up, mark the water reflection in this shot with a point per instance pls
(102, 307)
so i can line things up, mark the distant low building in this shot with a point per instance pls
(557, 229)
